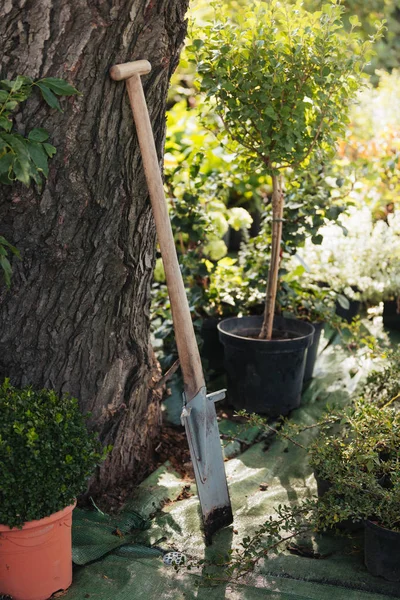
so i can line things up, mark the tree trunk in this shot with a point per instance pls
(273, 273)
(77, 316)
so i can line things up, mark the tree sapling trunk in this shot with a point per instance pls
(272, 283)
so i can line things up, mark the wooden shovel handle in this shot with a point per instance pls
(184, 333)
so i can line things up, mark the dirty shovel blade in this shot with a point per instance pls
(201, 425)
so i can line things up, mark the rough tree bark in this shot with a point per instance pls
(77, 316)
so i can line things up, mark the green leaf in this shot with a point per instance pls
(343, 301)
(50, 150)
(49, 97)
(5, 265)
(22, 171)
(59, 86)
(5, 123)
(38, 135)
(355, 21)
(19, 82)
(5, 163)
(6, 83)
(14, 250)
(197, 43)
(317, 239)
(3, 95)
(39, 157)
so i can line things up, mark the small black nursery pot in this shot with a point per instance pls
(391, 314)
(324, 486)
(313, 351)
(265, 376)
(382, 551)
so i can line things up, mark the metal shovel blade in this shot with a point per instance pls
(200, 420)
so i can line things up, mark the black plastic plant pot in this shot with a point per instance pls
(391, 318)
(312, 352)
(212, 350)
(382, 551)
(323, 486)
(265, 376)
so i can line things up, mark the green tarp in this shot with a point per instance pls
(131, 565)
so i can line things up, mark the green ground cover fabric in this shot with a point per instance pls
(131, 565)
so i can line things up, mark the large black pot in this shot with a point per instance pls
(265, 377)
(212, 349)
(312, 352)
(391, 318)
(382, 551)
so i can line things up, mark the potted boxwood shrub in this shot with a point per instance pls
(46, 457)
(361, 466)
(281, 80)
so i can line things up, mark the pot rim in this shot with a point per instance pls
(383, 530)
(263, 341)
(39, 522)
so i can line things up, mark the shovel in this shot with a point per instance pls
(198, 414)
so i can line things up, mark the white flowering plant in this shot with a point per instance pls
(358, 257)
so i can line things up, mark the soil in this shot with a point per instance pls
(173, 447)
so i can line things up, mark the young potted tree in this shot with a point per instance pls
(281, 80)
(46, 457)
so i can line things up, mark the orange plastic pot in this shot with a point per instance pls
(36, 561)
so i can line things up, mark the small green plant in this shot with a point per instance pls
(46, 453)
(281, 81)
(383, 386)
(24, 158)
(361, 464)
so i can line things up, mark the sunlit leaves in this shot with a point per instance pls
(280, 78)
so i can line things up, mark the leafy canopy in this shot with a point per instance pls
(281, 79)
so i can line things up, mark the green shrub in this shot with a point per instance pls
(362, 464)
(46, 453)
(382, 388)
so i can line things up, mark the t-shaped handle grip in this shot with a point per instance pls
(127, 70)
